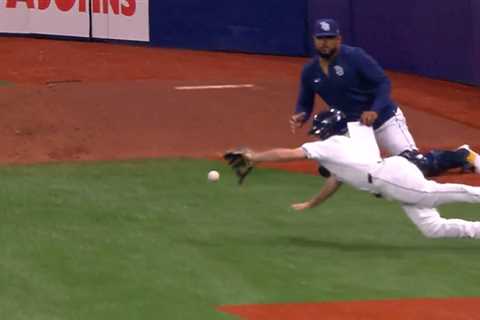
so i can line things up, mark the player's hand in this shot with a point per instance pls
(240, 160)
(301, 206)
(297, 120)
(368, 117)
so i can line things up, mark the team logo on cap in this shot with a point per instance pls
(339, 70)
(325, 26)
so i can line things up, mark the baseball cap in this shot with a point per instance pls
(326, 28)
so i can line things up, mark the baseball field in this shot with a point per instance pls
(106, 212)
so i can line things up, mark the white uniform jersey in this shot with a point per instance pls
(345, 159)
(398, 179)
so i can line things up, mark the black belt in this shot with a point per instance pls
(369, 177)
(370, 180)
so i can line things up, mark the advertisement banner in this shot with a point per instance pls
(54, 17)
(121, 20)
(105, 19)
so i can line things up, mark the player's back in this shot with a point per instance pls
(345, 159)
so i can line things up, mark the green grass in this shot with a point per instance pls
(155, 240)
(4, 83)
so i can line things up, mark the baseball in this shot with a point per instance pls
(213, 176)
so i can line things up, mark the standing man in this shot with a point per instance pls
(348, 79)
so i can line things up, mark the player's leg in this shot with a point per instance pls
(432, 225)
(393, 136)
(471, 157)
(436, 194)
(444, 160)
(401, 180)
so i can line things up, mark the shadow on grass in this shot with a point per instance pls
(427, 245)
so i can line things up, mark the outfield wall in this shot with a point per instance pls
(428, 37)
(258, 26)
(101, 19)
(436, 38)
(476, 40)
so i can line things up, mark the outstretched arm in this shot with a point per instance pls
(329, 188)
(243, 160)
(276, 155)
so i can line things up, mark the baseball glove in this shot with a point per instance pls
(239, 162)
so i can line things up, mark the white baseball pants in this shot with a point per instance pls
(432, 225)
(393, 136)
(398, 179)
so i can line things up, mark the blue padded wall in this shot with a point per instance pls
(476, 40)
(428, 37)
(261, 26)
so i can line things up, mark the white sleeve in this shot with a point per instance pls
(364, 136)
(313, 150)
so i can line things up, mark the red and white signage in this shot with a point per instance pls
(122, 19)
(111, 19)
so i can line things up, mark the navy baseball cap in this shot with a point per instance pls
(326, 28)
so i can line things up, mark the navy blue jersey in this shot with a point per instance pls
(356, 83)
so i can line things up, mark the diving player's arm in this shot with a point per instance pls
(329, 188)
(276, 155)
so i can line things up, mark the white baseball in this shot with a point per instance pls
(213, 176)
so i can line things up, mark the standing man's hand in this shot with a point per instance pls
(368, 117)
(297, 120)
